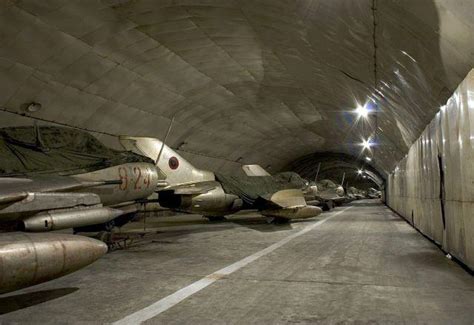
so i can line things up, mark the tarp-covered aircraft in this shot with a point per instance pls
(55, 178)
(213, 195)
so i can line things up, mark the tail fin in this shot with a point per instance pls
(255, 170)
(177, 169)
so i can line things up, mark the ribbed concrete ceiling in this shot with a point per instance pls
(250, 81)
(339, 168)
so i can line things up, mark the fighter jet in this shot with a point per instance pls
(373, 193)
(309, 189)
(57, 178)
(324, 194)
(355, 193)
(189, 189)
(328, 193)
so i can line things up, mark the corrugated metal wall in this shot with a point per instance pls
(433, 186)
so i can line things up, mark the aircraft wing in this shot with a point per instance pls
(255, 170)
(11, 186)
(20, 195)
(288, 204)
(36, 201)
(289, 198)
(192, 188)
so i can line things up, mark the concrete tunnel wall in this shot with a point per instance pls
(433, 186)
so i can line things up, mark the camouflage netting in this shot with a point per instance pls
(50, 149)
(250, 188)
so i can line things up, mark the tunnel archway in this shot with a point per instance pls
(355, 91)
(336, 166)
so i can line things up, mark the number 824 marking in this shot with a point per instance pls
(136, 182)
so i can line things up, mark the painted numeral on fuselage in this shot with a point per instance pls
(138, 173)
(137, 178)
(123, 175)
(146, 179)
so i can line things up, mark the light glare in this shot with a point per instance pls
(362, 111)
(367, 144)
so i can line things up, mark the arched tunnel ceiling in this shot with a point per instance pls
(250, 81)
(339, 168)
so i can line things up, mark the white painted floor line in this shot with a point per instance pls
(175, 298)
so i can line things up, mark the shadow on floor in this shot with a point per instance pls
(366, 204)
(261, 224)
(24, 300)
(254, 222)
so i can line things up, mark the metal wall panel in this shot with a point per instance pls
(433, 186)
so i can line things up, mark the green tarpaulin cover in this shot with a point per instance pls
(60, 150)
(250, 188)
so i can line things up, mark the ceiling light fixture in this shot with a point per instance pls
(366, 144)
(362, 111)
(368, 158)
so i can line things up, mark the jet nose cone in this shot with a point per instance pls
(81, 251)
(96, 247)
(29, 259)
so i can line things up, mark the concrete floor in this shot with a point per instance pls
(363, 265)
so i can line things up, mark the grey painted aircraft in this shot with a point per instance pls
(56, 179)
(189, 189)
(330, 191)
(355, 193)
(373, 193)
(319, 194)
(311, 190)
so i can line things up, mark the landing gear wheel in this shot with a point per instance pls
(215, 218)
(328, 205)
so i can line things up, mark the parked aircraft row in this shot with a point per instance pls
(55, 178)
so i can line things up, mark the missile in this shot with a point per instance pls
(74, 218)
(29, 259)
